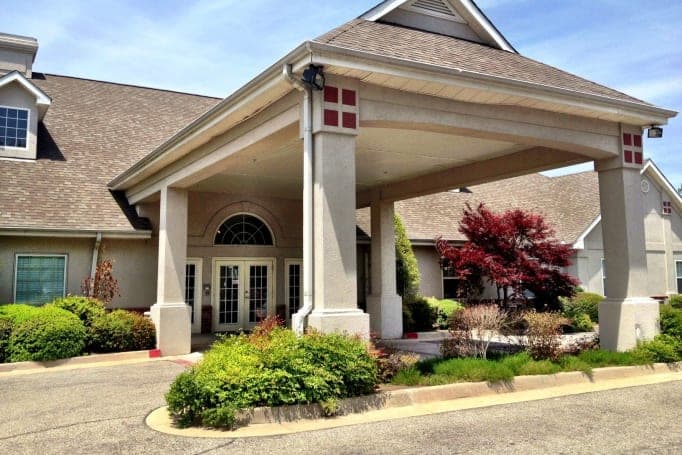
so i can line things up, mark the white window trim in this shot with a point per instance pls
(198, 291)
(267, 225)
(16, 269)
(603, 277)
(28, 128)
(287, 263)
(677, 277)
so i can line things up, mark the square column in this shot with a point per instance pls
(170, 313)
(384, 305)
(627, 315)
(334, 242)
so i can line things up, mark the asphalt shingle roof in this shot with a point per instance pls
(429, 48)
(569, 203)
(92, 132)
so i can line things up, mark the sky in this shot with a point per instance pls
(212, 47)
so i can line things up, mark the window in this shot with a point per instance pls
(243, 230)
(190, 287)
(294, 271)
(39, 279)
(13, 127)
(667, 208)
(451, 285)
(678, 274)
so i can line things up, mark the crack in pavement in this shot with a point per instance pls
(44, 430)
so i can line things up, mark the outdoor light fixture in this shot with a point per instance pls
(207, 289)
(314, 77)
(655, 132)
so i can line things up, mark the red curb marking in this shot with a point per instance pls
(154, 353)
(411, 335)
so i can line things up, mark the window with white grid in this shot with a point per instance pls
(13, 127)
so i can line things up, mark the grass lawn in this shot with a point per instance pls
(504, 368)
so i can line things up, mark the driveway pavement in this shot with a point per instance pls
(102, 410)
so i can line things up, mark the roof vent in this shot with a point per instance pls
(436, 8)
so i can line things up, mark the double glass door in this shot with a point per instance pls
(242, 293)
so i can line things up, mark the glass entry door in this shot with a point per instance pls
(243, 293)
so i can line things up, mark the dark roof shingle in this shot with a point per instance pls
(92, 132)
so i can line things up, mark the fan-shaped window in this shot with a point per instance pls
(243, 230)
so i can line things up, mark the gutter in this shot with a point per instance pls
(297, 319)
(95, 257)
(73, 233)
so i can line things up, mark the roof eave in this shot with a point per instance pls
(648, 113)
(74, 233)
(212, 117)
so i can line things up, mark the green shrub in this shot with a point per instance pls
(121, 330)
(5, 332)
(663, 348)
(445, 308)
(671, 321)
(474, 370)
(582, 323)
(675, 301)
(47, 333)
(18, 313)
(86, 308)
(583, 303)
(273, 368)
(601, 358)
(409, 377)
(407, 270)
(420, 317)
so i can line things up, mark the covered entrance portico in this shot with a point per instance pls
(381, 129)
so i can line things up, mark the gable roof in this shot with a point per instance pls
(417, 46)
(93, 131)
(42, 100)
(569, 203)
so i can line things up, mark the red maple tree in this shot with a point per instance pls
(515, 251)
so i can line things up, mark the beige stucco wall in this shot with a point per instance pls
(431, 275)
(134, 265)
(14, 95)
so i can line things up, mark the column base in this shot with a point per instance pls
(353, 322)
(173, 328)
(624, 322)
(386, 316)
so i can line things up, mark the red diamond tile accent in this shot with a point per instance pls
(627, 139)
(638, 158)
(331, 118)
(349, 120)
(331, 94)
(348, 97)
(628, 156)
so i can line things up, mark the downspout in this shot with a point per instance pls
(297, 319)
(95, 258)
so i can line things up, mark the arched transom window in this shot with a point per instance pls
(243, 230)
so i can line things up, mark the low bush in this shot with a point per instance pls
(419, 316)
(663, 348)
(544, 335)
(18, 313)
(390, 362)
(274, 368)
(445, 310)
(582, 303)
(472, 330)
(5, 332)
(86, 308)
(671, 321)
(121, 330)
(582, 323)
(675, 301)
(45, 333)
(602, 358)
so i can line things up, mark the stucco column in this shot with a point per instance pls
(627, 314)
(170, 313)
(384, 305)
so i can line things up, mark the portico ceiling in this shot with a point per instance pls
(383, 155)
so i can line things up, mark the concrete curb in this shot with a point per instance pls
(82, 360)
(428, 394)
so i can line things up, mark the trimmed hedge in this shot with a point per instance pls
(419, 316)
(86, 308)
(675, 301)
(270, 368)
(121, 330)
(445, 308)
(583, 303)
(5, 332)
(45, 333)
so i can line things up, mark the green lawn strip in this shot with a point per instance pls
(447, 371)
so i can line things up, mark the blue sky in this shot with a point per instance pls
(213, 47)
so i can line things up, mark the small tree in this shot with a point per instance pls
(514, 250)
(104, 287)
(407, 270)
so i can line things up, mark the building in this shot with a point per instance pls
(570, 204)
(249, 202)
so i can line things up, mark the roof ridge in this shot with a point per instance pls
(122, 84)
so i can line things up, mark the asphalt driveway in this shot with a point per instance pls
(102, 410)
